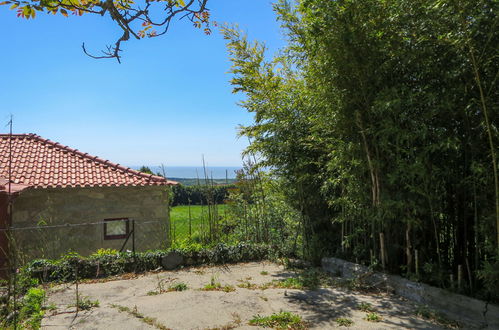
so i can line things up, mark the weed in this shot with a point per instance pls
(228, 288)
(307, 279)
(282, 320)
(373, 317)
(353, 284)
(51, 307)
(344, 322)
(160, 284)
(85, 303)
(264, 272)
(248, 285)
(215, 285)
(174, 287)
(365, 307)
(146, 319)
(218, 287)
(427, 313)
(178, 287)
(289, 283)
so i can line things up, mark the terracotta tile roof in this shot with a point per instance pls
(41, 163)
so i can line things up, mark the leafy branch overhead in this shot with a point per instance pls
(138, 19)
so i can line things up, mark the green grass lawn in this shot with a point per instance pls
(179, 217)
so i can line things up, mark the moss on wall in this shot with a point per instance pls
(44, 208)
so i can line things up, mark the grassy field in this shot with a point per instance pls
(179, 217)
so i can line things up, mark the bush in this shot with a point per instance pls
(115, 263)
(31, 312)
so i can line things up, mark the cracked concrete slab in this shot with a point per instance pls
(140, 301)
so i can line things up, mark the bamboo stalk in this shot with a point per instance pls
(382, 248)
(416, 261)
(460, 277)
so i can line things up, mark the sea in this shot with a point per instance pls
(194, 172)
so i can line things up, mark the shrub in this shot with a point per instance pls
(108, 263)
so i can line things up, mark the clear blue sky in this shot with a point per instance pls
(169, 101)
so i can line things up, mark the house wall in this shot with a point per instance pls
(45, 208)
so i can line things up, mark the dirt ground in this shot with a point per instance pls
(135, 303)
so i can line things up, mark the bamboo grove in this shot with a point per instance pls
(380, 120)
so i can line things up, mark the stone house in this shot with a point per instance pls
(59, 199)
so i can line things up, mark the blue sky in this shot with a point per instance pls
(169, 101)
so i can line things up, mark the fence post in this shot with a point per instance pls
(15, 295)
(133, 245)
(77, 294)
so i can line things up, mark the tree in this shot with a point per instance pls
(138, 19)
(381, 117)
(145, 169)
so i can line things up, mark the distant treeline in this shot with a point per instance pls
(194, 181)
(200, 195)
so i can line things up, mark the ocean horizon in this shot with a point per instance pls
(193, 172)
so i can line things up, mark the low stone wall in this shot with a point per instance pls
(457, 307)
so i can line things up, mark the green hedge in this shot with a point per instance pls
(115, 263)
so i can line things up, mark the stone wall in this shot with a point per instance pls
(47, 209)
(466, 310)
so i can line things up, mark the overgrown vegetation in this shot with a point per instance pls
(255, 211)
(28, 313)
(105, 263)
(378, 123)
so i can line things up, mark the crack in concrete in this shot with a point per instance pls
(485, 314)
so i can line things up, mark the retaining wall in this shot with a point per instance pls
(463, 309)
